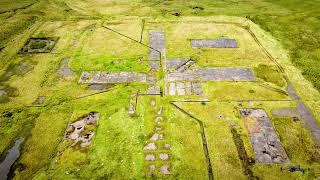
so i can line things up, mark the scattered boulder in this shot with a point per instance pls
(163, 156)
(150, 157)
(160, 111)
(152, 168)
(150, 146)
(166, 146)
(165, 169)
(152, 102)
(154, 137)
(158, 119)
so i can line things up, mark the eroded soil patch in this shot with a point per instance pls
(243, 156)
(82, 131)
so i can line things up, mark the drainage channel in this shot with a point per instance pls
(10, 158)
(203, 137)
(242, 153)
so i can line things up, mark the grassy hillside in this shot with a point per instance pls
(86, 44)
(295, 23)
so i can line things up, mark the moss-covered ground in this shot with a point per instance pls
(107, 35)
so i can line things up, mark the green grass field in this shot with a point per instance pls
(277, 39)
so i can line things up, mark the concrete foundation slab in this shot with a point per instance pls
(264, 140)
(107, 77)
(222, 42)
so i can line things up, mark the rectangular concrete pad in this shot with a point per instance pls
(188, 88)
(172, 89)
(157, 42)
(214, 74)
(176, 62)
(223, 42)
(154, 64)
(180, 88)
(264, 140)
(196, 88)
(107, 77)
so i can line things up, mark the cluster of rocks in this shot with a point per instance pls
(152, 148)
(38, 45)
(75, 130)
(185, 88)
(222, 42)
(264, 140)
(108, 77)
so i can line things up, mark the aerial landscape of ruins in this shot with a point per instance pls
(159, 89)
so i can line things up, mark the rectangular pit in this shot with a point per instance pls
(39, 45)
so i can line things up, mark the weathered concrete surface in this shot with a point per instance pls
(286, 112)
(64, 70)
(95, 87)
(172, 89)
(305, 114)
(157, 42)
(264, 140)
(185, 88)
(154, 64)
(214, 74)
(153, 90)
(196, 88)
(222, 42)
(107, 77)
(174, 63)
(180, 88)
(179, 64)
